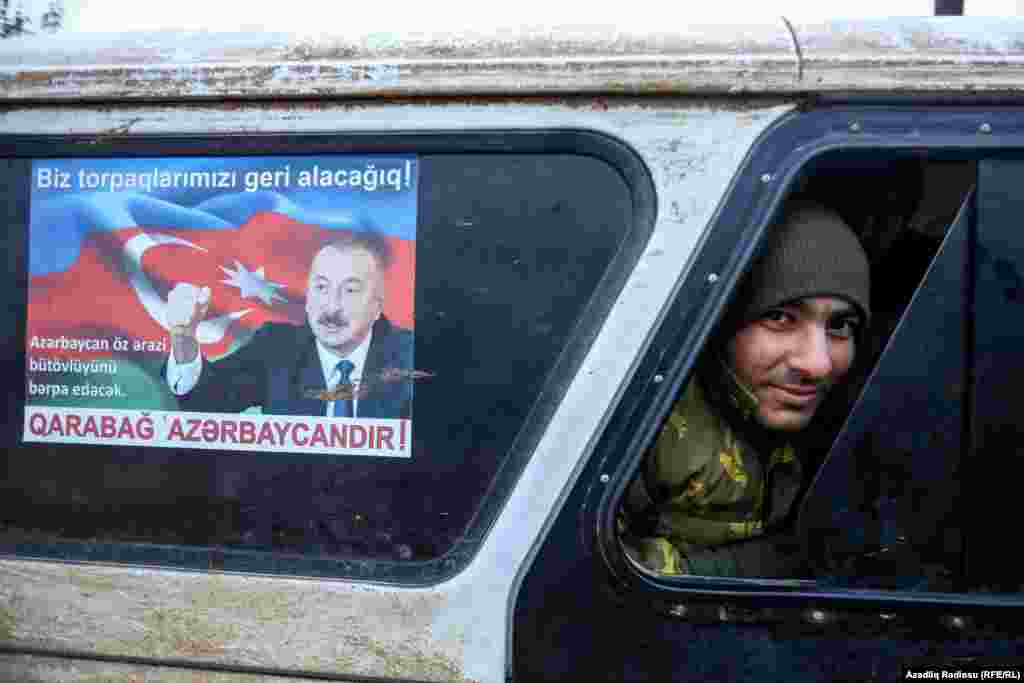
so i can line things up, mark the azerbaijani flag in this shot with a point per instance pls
(102, 260)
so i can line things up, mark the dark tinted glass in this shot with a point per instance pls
(995, 468)
(883, 511)
(510, 250)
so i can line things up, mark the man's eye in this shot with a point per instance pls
(844, 328)
(777, 318)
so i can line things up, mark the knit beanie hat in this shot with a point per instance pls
(810, 252)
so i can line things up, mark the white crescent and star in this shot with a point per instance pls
(251, 284)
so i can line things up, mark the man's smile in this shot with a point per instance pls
(796, 395)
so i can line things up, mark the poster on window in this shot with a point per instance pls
(229, 303)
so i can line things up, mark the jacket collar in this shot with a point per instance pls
(735, 402)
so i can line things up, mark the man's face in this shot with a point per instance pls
(792, 355)
(344, 297)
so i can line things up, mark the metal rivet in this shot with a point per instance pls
(766, 178)
(854, 127)
(887, 616)
(605, 479)
(957, 622)
(658, 379)
(712, 278)
(678, 610)
(817, 616)
(985, 128)
(723, 614)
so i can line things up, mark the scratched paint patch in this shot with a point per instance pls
(7, 623)
(228, 619)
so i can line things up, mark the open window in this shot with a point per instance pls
(899, 461)
(870, 518)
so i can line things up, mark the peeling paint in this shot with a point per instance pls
(628, 75)
(32, 76)
(90, 584)
(227, 619)
(175, 65)
(724, 58)
(904, 55)
(408, 662)
(187, 633)
(7, 623)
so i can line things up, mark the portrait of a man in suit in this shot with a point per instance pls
(348, 360)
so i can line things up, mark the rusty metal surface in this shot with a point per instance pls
(586, 60)
(908, 55)
(913, 55)
(401, 78)
(455, 631)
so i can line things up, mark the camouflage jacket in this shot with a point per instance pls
(711, 485)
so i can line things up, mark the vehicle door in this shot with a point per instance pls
(904, 520)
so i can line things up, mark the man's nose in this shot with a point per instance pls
(811, 355)
(332, 302)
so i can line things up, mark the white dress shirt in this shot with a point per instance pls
(183, 377)
(329, 365)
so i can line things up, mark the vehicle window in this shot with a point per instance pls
(928, 437)
(883, 450)
(993, 466)
(885, 510)
(273, 460)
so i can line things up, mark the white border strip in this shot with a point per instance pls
(220, 431)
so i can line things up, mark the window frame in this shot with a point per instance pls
(735, 233)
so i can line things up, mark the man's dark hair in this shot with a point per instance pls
(370, 240)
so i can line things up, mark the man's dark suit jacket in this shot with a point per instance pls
(279, 369)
